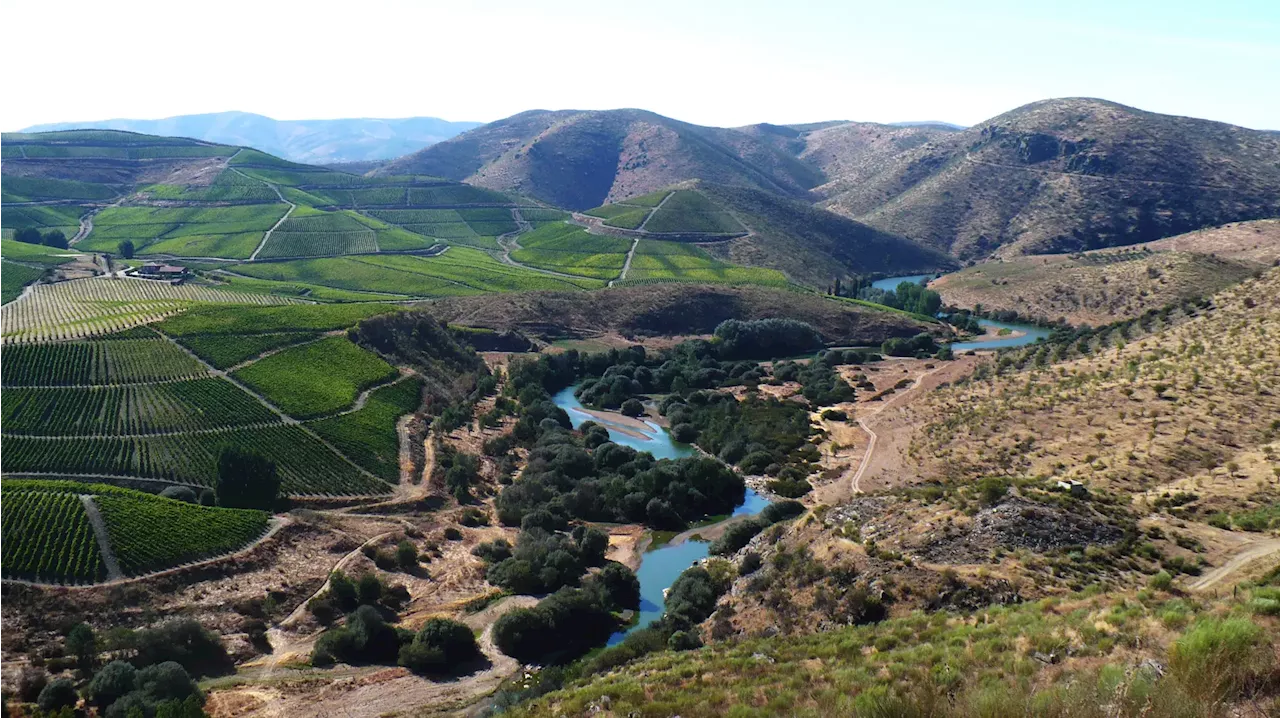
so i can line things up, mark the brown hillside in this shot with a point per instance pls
(1109, 285)
(1066, 175)
(671, 309)
(581, 159)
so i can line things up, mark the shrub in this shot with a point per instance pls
(1161, 581)
(684, 433)
(1218, 658)
(835, 415)
(440, 645)
(407, 555)
(114, 681)
(165, 682)
(632, 407)
(750, 563)
(186, 642)
(736, 536)
(781, 511)
(30, 682)
(58, 694)
(452, 534)
(246, 480)
(180, 493)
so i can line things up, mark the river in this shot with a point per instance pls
(660, 567)
(1024, 333)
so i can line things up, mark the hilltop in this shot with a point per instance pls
(581, 159)
(1104, 286)
(313, 141)
(1065, 175)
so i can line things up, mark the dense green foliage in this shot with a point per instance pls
(125, 360)
(570, 249)
(246, 480)
(225, 351)
(543, 559)
(261, 320)
(570, 621)
(440, 646)
(765, 338)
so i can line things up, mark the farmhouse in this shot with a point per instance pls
(169, 272)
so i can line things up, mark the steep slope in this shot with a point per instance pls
(760, 229)
(341, 140)
(1110, 285)
(1064, 175)
(581, 159)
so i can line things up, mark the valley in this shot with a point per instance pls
(604, 413)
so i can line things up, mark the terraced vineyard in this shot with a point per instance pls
(683, 213)
(307, 467)
(459, 271)
(150, 533)
(678, 261)
(226, 351)
(368, 436)
(47, 537)
(569, 249)
(194, 405)
(25, 263)
(142, 357)
(196, 231)
(90, 307)
(315, 379)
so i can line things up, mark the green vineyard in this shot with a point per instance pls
(150, 533)
(224, 351)
(120, 361)
(307, 467)
(368, 436)
(47, 537)
(317, 378)
(141, 409)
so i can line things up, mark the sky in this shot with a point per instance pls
(702, 61)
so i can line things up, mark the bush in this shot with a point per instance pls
(835, 415)
(1161, 581)
(562, 626)
(58, 694)
(452, 534)
(684, 433)
(407, 555)
(165, 682)
(30, 682)
(736, 536)
(180, 493)
(441, 645)
(1218, 658)
(750, 564)
(781, 511)
(113, 682)
(185, 642)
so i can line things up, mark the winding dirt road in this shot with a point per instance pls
(1247, 554)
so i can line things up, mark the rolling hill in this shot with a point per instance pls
(1063, 175)
(751, 227)
(314, 141)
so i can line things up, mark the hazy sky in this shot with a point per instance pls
(703, 61)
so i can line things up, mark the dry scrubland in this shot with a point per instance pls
(1109, 285)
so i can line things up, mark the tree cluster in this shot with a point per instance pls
(53, 238)
(921, 345)
(543, 559)
(571, 621)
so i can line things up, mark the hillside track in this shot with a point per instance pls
(855, 482)
(1244, 556)
(104, 539)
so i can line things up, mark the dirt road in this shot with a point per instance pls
(1247, 554)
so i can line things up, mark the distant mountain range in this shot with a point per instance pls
(1053, 176)
(309, 141)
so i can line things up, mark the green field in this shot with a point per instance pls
(19, 268)
(47, 537)
(314, 292)
(35, 189)
(569, 249)
(315, 379)
(368, 436)
(224, 351)
(447, 225)
(44, 218)
(230, 186)
(459, 271)
(150, 533)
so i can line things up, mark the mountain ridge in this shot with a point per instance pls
(308, 141)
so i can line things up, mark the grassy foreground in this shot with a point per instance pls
(1153, 654)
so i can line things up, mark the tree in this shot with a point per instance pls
(60, 693)
(246, 480)
(208, 498)
(30, 235)
(83, 644)
(439, 646)
(113, 682)
(126, 249)
(632, 407)
(55, 239)
(165, 682)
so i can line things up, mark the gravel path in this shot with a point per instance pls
(104, 540)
